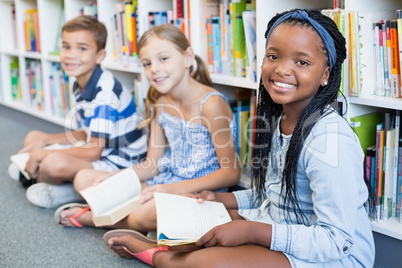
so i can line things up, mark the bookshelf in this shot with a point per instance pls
(12, 48)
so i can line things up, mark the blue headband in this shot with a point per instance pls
(325, 36)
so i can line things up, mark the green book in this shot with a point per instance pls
(239, 44)
(365, 128)
(14, 73)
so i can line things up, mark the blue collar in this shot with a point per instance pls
(89, 92)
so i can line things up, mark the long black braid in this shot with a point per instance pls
(268, 113)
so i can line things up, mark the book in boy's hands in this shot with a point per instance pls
(182, 221)
(114, 198)
(20, 160)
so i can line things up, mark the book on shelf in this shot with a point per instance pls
(395, 63)
(395, 162)
(239, 45)
(182, 221)
(365, 128)
(399, 34)
(399, 183)
(15, 79)
(379, 168)
(31, 29)
(114, 198)
(14, 26)
(249, 21)
(388, 173)
(216, 45)
(60, 22)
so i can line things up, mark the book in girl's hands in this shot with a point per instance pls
(114, 198)
(182, 221)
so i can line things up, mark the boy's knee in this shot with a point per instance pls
(52, 166)
(33, 135)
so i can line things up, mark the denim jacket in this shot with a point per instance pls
(331, 192)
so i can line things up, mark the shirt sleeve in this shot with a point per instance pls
(244, 198)
(333, 164)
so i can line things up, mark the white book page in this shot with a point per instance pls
(182, 217)
(112, 191)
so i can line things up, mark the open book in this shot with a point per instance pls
(182, 221)
(114, 198)
(20, 160)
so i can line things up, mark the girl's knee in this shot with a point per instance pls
(83, 179)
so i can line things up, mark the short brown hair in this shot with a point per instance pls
(91, 24)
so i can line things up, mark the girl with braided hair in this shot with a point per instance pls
(309, 205)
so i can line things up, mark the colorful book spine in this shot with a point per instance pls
(128, 29)
(379, 171)
(399, 29)
(216, 45)
(239, 45)
(210, 62)
(399, 183)
(395, 62)
(395, 163)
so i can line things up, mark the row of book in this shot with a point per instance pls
(244, 110)
(33, 72)
(31, 27)
(231, 38)
(124, 27)
(381, 139)
(31, 30)
(386, 55)
(60, 93)
(374, 69)
(123, 30)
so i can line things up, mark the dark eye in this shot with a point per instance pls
(146, 64)
(82, 48)
(302, 63)
(272, 57)
(65, 47)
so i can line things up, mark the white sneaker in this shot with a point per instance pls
(49, 196)
(14, 172)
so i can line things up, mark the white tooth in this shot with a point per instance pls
(279, 84)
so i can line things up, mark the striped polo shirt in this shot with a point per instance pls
(106, 109)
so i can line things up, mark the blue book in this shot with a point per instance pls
(216, 45)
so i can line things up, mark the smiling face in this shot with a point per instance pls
(165, 67)
(295, 65)
(79, 55)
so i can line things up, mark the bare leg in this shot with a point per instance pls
(241, 256)
(58, 168)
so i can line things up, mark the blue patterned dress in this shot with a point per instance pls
(191, 152)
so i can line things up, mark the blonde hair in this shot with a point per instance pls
(90, 24)
(174, 35)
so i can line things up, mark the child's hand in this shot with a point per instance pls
(148, 192)
(34, 140)
(205, 196)
(32, 166)
(103, 177)
(231, 234)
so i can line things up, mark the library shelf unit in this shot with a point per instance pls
(12, 47)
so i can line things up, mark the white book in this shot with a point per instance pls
(182, 221)
(388, 174)
(20, 160)
(395, 162)
(114, 198)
